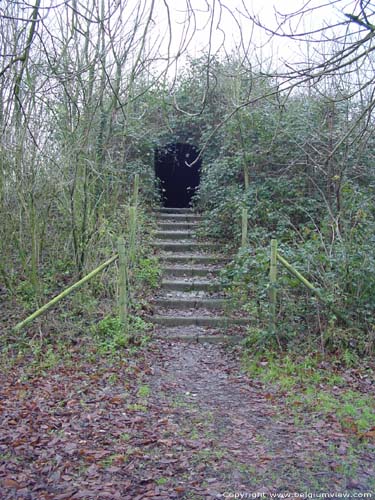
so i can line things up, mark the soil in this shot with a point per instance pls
(246, 441)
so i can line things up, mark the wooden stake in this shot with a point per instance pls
(244, 227)
(135, 190)
(246, 177)
(132, 233)
(122, 282)
(273, 281)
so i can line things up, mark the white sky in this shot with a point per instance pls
(228, 21)
(233, 30)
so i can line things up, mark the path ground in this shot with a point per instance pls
(174, 420)
(239, 438)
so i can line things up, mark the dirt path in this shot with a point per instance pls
(241, 437)
(175, 420)
(231, 435)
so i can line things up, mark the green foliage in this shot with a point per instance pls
(302, 322)
(314, 200)
(83, 302)
(138, 326)
(112, 334)
(26, 293)
(260, 340)
(277, 207)
(143, 391)
(322, 225)
(307, 386)
(220, 195)
(109, 327)
(311, 187)
(148, 272)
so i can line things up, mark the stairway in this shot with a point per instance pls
(190, 305)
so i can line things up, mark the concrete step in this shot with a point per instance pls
(193, 258)
(188, 271)
(177, 226)
(197, 303)
(207, 321)
(173, 210)
(185, 246)
(190, 285)
(202, 339)
(162, 217)
(174, 235)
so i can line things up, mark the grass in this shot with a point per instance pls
(144, 391)
(136, 407)
(161, 481)
(309, 387)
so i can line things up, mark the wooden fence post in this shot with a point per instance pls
(246, 177)
(244, 227)
(135, 190)
(273, 280)
(122, 283)
(132, 233)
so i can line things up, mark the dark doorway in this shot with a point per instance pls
(178, 179)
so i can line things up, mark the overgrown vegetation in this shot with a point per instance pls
(316, 200)
(299, 159)
(88, 92)
(310, 388)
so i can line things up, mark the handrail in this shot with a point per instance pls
(299, 276)
(124, 262)
(63, 294)
(301, 279)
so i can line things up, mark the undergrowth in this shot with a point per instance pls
(89, 314)
(339, 260)
(315, 386)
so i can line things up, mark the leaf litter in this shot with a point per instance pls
(85, 430)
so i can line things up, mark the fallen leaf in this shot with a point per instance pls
(367, 435)
(11, 483)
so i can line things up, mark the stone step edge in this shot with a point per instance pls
(197, 320)
(164, 235)
(190, 286)
(202, 339)
(184, 246)
(188, 271)
(193, 222)
(192, 303)
(174, 209)
(177, 217)
(179, 224)
(207, 258)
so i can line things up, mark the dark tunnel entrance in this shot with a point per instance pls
(178, 179)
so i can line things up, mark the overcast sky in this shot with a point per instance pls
(231, 29)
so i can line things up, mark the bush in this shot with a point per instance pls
(342, 267)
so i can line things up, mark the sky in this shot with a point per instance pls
(230, 27)
(193, 27)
